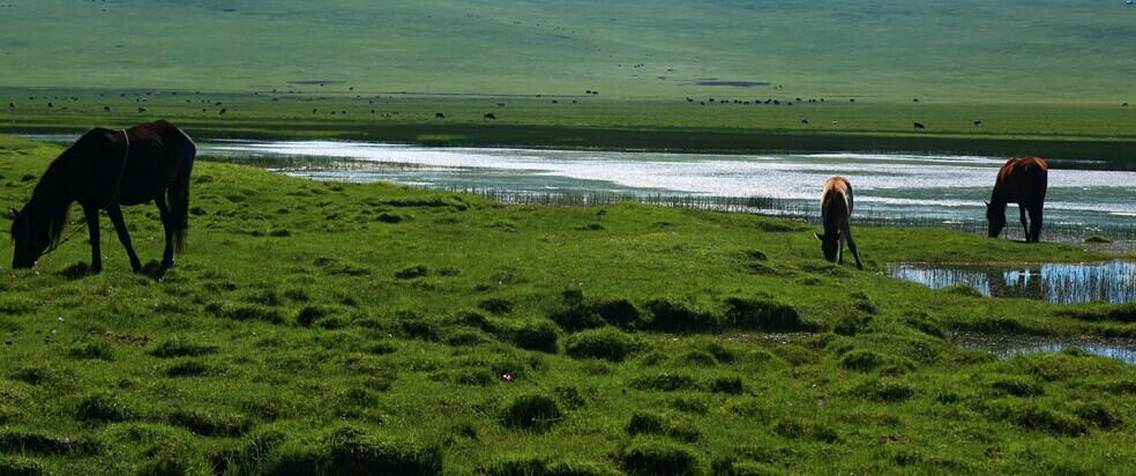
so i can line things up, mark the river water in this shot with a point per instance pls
(915, 189)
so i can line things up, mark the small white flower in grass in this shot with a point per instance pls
(507, 376)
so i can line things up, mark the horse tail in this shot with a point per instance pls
(177, 196)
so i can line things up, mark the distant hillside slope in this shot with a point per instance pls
(965, 50)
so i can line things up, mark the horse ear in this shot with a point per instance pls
(987, 203)
(819, 236)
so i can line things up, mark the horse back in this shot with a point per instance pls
(1022, 180)
(836, 202)
(156, 152)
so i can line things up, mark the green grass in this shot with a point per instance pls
(352, 344)
(966, 51)
(1045, 78)
(1067, 134)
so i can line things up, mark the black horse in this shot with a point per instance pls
(103, 170)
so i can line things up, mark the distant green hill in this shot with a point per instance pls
(954, 51)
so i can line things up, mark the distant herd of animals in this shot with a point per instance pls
(489, 116)
(106, 169)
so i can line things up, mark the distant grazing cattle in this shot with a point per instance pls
(141, 109)
(977, 123)
(106, 108)
(689, 99)
(804, 121)
(222, 112)
(1124, 105)
(836, 123)
(314, 110)
(915, 100)
(851, 99)
(437, 115)
(776, 102)
(372, 111)
(500, 104)
(919, 126)
(555, 101)
(218, 103)
(11, 105)
(50, 104)
(490, 116)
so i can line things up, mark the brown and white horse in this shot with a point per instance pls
(836, 214)
(1023, 181)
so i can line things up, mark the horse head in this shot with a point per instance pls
(830, 245)
(31, 237)
(995, 220)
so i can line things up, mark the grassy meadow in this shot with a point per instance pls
(1014, 51)
(1044, 78)
(329, 328)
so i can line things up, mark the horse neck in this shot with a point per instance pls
(53, 194)
(835, 213)
(997, 200)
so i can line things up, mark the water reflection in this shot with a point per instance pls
(1062, 283)
(1009, 346)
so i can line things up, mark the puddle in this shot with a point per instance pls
(1009, 346)
(732, 84)
(1061, 283)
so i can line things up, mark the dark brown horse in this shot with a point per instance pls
(104, 170)
(836, 214)
(1023, 181)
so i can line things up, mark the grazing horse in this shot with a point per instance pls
(836, 214)
(1023, 181)
(104, 170)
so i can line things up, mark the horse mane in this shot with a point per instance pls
(50, 204)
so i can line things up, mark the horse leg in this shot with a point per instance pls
(92, 215)
(852, 248)
(1025, 226)
(115, 214)
(840, 250)
(168, 226)
(1035, 222)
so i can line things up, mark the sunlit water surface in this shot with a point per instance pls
(1063, 283)
(925, 189)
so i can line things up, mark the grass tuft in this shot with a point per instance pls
(537, 413)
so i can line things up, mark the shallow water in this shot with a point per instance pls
(917, 189)
(1063, 283)
(1009, 346)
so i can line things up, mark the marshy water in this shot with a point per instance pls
(890, 188)
(1063, 283)
(931, 189)
(1009, 346)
